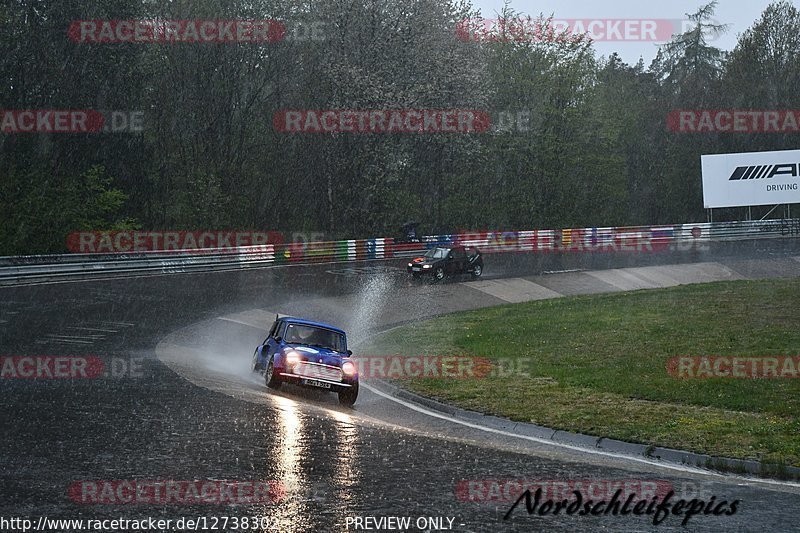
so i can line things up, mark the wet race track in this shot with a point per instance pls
(176, 401)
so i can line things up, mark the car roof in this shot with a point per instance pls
(304, 322)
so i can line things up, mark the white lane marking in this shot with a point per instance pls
(669, 466)
(251, 324)
(55, 336)
(92, 329)
(63, 341)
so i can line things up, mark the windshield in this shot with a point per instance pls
(437, 253)
(314, 336)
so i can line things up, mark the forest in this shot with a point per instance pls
(194, 135)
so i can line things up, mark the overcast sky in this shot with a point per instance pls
(740, 14)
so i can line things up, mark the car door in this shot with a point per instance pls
(450, 263)
(460, 260)
(271, 343)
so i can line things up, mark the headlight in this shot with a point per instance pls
(292, 358)
(426, 266)
(410, 264)
(348, 368)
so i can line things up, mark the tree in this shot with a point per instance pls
(690, 72)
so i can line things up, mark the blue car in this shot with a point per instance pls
(309, 354)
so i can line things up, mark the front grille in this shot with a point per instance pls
(318, 371)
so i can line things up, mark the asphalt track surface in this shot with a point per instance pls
(192, 410)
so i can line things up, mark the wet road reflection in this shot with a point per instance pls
(317, 483)
(291, 449)
(346, 474)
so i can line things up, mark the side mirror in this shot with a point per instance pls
(349, 352)
(278, 339)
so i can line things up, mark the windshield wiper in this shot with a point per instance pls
(321, 346)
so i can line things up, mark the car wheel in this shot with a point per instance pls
(477, 271)
(254, 366)
(348, 397)
(270, 378)
(438, 274)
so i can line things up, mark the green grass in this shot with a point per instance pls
(596, 365)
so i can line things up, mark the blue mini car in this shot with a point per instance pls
(310, 354)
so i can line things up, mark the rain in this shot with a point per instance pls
(407, 265)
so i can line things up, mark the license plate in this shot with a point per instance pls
(416, 269)
(315, 383)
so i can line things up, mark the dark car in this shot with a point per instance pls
(309, 354)
(444, 261)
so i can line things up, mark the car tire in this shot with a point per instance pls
(254, 366)
(438, 274)
(270, 378)
(348, 397)
(477, 271)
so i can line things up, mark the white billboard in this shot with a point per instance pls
(756, 178)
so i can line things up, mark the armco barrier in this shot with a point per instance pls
(30, 269)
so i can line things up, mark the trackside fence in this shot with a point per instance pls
(30, 269)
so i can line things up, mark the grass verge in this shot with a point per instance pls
(597, 365)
